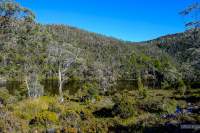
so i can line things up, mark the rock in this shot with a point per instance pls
(51, 130)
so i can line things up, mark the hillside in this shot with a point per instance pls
(61, 79)
(184, 48)
(101, 58)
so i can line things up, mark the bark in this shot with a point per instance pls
(28, 88)
(60, 82)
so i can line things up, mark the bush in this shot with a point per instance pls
(181, 87)
(169, 106)
(124, 108)
(157, 105)
(70, 118)
(143, 92)
(5, 97)
(10, 123)
(55, 108)
(152, 106)
(91, 88)
(46, 117)
(28, 108)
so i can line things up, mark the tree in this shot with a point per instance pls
(192, 15)
(62, 56)
(20, 34)
(11, 14)
(32, 49)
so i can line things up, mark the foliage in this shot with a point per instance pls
(124, 107)
(181, 87)
(31, 53)
(46, 117)
(6, 98)
(169, 106)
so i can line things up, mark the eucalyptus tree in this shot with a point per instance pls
(11, 14)
(192, 13)
(62, 56)
(192, 21)
(21, 36)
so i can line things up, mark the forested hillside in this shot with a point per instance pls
(28, 47)
(40, 64)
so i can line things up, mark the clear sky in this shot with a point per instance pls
(131, 20)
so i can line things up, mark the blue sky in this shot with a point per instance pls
(131, 20)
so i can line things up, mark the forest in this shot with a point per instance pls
(62, 79)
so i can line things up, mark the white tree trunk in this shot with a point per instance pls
(60, 82)
(27, 86)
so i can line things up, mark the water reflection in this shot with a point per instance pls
(51, 86)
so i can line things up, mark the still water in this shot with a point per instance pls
(51, 86)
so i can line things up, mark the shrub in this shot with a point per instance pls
(5, 97)
(91, 88)
(28, 108)
(124, 108)
(11, 123)
(169, 106)
(143, 92)
(46, 117)
(57, 108)
(70, 118)
(181, 87)
(158, 105)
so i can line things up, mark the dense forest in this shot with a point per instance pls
(58, 78)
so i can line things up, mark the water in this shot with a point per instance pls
(51, 86)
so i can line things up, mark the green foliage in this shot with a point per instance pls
(159, 105)
(91, 89)
(6, 97)
(46, 117)
(27, 109)
(124, 107)
(181, 87)
(143, 92)
(157, 64)
(98, 57)
(169, 106)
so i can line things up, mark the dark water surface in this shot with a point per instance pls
(51, 86)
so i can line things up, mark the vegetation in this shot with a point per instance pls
(36, 60)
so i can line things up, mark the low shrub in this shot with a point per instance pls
(158, 105)
(44, 118)
(124, 107)
(6, 98)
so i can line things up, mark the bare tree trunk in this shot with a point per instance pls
(27, 86)
(60, 82)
